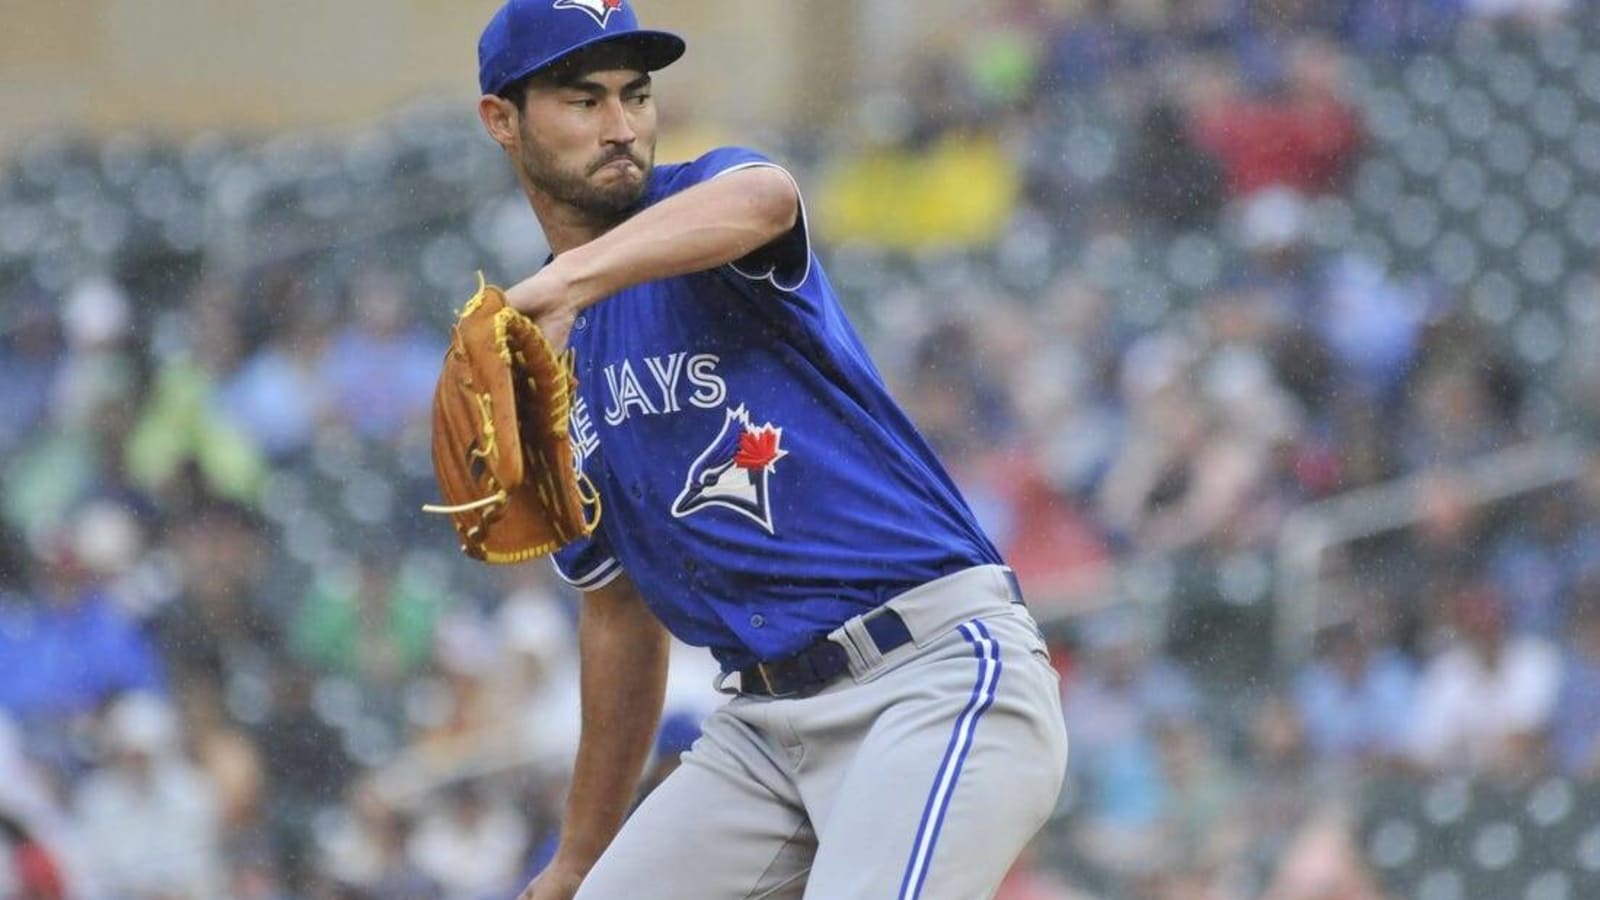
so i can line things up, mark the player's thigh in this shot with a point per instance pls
(720, 827)
(954, 778)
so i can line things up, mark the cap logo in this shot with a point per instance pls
(599, 10)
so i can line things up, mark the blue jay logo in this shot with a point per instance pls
(733, 471)
(598, 10)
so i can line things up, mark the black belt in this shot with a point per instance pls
(809, 670)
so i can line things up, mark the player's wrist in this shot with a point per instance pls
(579, 279)
(571, 863)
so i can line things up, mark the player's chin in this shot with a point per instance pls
(619, 195)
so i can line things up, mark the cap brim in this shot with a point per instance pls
(658, 48)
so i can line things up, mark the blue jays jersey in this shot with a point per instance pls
(757, 482)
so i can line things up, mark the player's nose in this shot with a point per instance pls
(616, 128)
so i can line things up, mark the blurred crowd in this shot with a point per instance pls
(235, 662)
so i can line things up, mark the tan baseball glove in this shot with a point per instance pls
(501, 449)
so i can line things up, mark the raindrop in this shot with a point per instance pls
(1513, 81)
(1494, 298)
(20, 226)
(1585, 146)
(283, 495)
(369, 742)
(1550, 183)
(310, 540)
(1463, 184)
(1089, 152)
(1509, 150)
(1587, 851)
(1415, 222)
(1583, 220)
(1332, 222)
(1455, 258)
(1559, 45)
(105, 232)
(201, 156)
(336, 700)
(1244, 579)
(448, 261)
(1551, 802)
(1428, 79)
(1496, 845)
(1195, 261)
(1390, 116)
(1426, 150)
(1446, 801)
(1550, 884)
(427, 703)
(1476, 47)
(1541, 258)
(1441, 884)
(1107, 258)
(1470, 114)
(158, 195)
(1377, 183)
(1555, 113)
(1588, 76)
(368, 498)
(1583, 300)
(1502, 221)
(1373, 249)
(1146, 298)
(1393, 843)
(123, 157)
(248, 698)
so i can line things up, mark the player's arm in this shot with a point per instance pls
(710, 224)
(623, 657)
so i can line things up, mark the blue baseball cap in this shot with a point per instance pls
(526, 35)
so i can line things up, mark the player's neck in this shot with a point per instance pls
(565, 226)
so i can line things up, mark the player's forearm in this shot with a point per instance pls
(708, 225)
(624, 671)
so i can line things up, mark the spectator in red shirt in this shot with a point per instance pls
(1303, 134)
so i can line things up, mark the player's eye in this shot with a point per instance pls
(639, 99)
(584, 103)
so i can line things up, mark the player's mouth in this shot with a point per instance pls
(619, 164)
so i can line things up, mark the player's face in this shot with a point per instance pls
(589, 140)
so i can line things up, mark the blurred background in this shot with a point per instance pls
(1260, 333)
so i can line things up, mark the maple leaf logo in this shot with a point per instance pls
(758, 448)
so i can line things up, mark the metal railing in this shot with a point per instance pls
(1309, 533)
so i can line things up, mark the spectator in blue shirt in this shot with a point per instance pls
(71, 648)
(1354, 702)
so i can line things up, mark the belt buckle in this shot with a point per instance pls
(766, 683)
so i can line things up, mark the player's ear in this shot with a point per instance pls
(499, 119)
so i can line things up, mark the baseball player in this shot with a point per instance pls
(895, 727)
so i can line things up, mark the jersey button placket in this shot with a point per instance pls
(758, 620)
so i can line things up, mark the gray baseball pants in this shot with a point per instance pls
(920, 776)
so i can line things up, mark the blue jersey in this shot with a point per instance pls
(757, 482)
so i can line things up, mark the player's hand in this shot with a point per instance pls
(549, 299)
(556, 882)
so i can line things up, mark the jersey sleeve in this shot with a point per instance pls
(785, 262)
(587, 563)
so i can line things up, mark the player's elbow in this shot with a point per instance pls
(774, 200)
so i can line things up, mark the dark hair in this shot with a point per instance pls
(516, 93)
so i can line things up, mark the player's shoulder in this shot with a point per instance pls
(671, 178)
